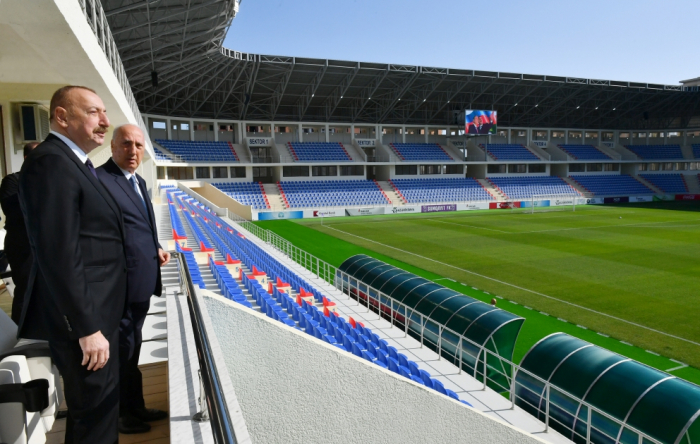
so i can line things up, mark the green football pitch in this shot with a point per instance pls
(625, 277)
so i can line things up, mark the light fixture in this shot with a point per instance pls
(537, 105)
(578, 107)
(424, 100)
(515, 104)
(596, 107)
(341, 97)
(313, 95)
(399, 100)
(448, 101)
(614, 109)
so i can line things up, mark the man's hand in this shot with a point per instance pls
(163, 257)
(95, 351)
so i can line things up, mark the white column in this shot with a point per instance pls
(301, 134)
(352, 133)
(327, 135)
(239, 132)
(192, 130)
(169, 129)
(425, 129)
(403, 134)
(216, 131)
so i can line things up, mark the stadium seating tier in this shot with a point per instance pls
(247, 193)
(415, 191)
(331, 193)
(509, 151)
(420, 151)
(584, 152)
(656, 152)
(612, 185)
(526, 187)
(668, 183)
(318, 152)
(200, 151)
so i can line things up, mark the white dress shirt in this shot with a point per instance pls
(136, 179)
(78, 152)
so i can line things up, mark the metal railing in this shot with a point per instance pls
(212, 403)
(97, 20)
(589, 422)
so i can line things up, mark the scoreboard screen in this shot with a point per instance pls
(479, 122)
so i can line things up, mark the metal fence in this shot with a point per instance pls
(544, 400)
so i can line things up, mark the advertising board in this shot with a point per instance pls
(365, 142)
(687, 196)
(503, 205)
(275, 215)
(404, 209)
(370, 211)
(325, 212)
(437, 208)
(641, 198)
(621, 199)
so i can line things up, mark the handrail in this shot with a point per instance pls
(221, 424)
(491, 362)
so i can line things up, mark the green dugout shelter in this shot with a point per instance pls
(627, 399)
(459, 325)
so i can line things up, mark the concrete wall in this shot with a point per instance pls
(293, 388)
(219, 198)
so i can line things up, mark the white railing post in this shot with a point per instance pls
(546, 414)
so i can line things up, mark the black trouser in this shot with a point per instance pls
(130, 380)
(92, 397)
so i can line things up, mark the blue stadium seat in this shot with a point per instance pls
(420, 151)
(522, 187)
(318, 151)
(612, 185)
(584, 152)
(656, 152)
(668, 183)
(331, 193)
(510, 151)
(440, 190)
(247, 193)
(200, 151)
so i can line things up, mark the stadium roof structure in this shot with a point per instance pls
(180, 43)
(644, 399)
(434, 310)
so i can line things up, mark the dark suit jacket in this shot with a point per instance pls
(78, 281)
(141, 239)
(485, 128)
(19, 253)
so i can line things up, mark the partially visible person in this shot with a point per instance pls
(17, 249)
(144, 257)
(476, 124)
(77, 286)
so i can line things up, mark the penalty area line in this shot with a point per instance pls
(521, 288)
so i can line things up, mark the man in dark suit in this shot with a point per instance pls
(17, 249)
(77, 287)
(144, 257)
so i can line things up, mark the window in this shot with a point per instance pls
(496, 169)
(611, 167)
(158, 125)
(406, 170)
(262, 172)
(180, 173)
(594, 167)
(577, 167)
(237, 172)
(160, 171)
(353, 170)
(681, 166)
(454, 169)
(520, 168)
(219, 172)
(324, 171)
(430, 169)
(537, 168)
(202, 172)
(642, 167)
(608, 137)
(295, 171)
(653, 167)
(667, 166)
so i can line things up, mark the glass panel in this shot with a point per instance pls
(594, 360)
(375, 273)
(390, 284)
(448, 307)
(432, 300)
(463, 319)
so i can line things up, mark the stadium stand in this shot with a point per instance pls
(319, 151)
(440, 190)
(526, 187)
(247, 193)
(331, 193)
(420, 151)
(161, 156)
(696, 150)
(651, 152)
(200, 151)
(668, 183)
(262, 283)
(506, 151)
(584, 152)
(606, 185)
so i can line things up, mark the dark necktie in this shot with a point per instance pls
(91, 167)
(132, 179)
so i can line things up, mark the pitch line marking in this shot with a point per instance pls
(523, 289)
(680, 367)
(471, 226)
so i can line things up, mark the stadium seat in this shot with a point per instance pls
(584, 152)
(526, 187)
(668, 183)
(420, 151)
(331, 193)
(440, 190)
(318, 152)
(509, 151)
(656, 152)
(612, 185)
(247, 193)
(201, 151)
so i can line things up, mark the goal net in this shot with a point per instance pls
(551, 202)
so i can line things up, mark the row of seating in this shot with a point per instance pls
(526, 187)
(247, 193)
(660, 152)
(421, 151)
(200, 151)
(319, 151)
(668, 183)
(509, 151)
(301, 194)
(584, 152)
(440, 190)
(278, 303)
(696, 150)
(612, 185)
(161, 156)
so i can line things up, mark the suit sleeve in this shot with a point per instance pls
(51, 197)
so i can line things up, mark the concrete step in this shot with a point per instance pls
(649, 184)
(274, 197)
(577, 187)
(391, 193)
(693, 183)
(500, 197)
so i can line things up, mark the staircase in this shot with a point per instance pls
(241, 152)
(577, 187)
(650, 185)
(391, 193)
(495, 192)
(687, 151)
(692, 181)
(274, 197)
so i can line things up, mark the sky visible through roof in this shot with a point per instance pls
(639, 41)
